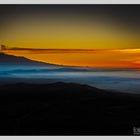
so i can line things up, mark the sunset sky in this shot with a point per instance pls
(76, 35)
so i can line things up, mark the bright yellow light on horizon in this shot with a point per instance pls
(72, 33)
(68, 34)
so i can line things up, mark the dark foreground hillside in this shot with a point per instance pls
(66, 109)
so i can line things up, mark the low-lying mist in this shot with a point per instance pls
(124, 80)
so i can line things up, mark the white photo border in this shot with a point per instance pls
(69, 1)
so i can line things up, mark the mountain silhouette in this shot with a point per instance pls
(66, 109)
(6, 59)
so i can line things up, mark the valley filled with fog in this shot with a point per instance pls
(123, 80)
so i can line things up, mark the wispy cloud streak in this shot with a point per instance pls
(82, 57)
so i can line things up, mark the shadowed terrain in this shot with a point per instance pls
(66, 109)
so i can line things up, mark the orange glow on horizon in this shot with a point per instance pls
(109, 58)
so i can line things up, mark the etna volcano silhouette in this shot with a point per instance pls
(6, 59)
